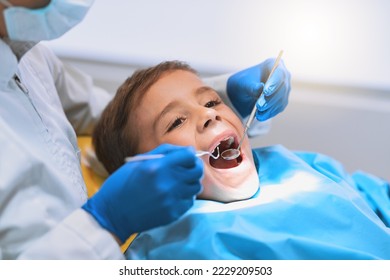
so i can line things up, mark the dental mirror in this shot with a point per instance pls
(231, 154)
(234, 153)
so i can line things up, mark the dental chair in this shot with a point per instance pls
(94, 176)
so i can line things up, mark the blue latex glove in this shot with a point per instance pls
(244, 87)
(146, 194)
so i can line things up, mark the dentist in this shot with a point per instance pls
(44, 209)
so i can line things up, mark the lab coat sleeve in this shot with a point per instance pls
(68, 240)
(41, 216)
(82, 100)
(218, 83)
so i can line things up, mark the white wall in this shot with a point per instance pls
(336, 41)
(337, 52)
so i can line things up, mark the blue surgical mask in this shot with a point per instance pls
(46, 23)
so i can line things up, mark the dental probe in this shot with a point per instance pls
(231, 154)
(156, 156)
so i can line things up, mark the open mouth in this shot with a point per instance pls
(220, 163)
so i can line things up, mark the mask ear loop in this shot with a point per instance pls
(6, 3)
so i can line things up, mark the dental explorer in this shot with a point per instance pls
(234, 153)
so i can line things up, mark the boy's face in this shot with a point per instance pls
(179, 109)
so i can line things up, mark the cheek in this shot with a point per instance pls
(229, 115)
(145, 146)
(142, 126)
(153, 140)
(209, 188)
(212, 185)
(180, 137)
(147, 140)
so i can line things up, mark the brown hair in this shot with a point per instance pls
(115, 135)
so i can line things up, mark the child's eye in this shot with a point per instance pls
(212, 103)
(176, 123)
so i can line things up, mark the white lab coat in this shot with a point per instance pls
(41, 185)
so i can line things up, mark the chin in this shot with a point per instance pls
(229, 180)
(232, 184)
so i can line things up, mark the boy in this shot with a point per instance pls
(269, 203)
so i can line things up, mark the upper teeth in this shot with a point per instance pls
(230, 140)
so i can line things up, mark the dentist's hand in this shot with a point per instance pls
(244, 87)
(145, 194)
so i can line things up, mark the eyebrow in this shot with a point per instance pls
(203, 89)
(174, 103)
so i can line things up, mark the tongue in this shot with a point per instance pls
(220, 163)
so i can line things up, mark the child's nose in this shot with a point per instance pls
(209, 118)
